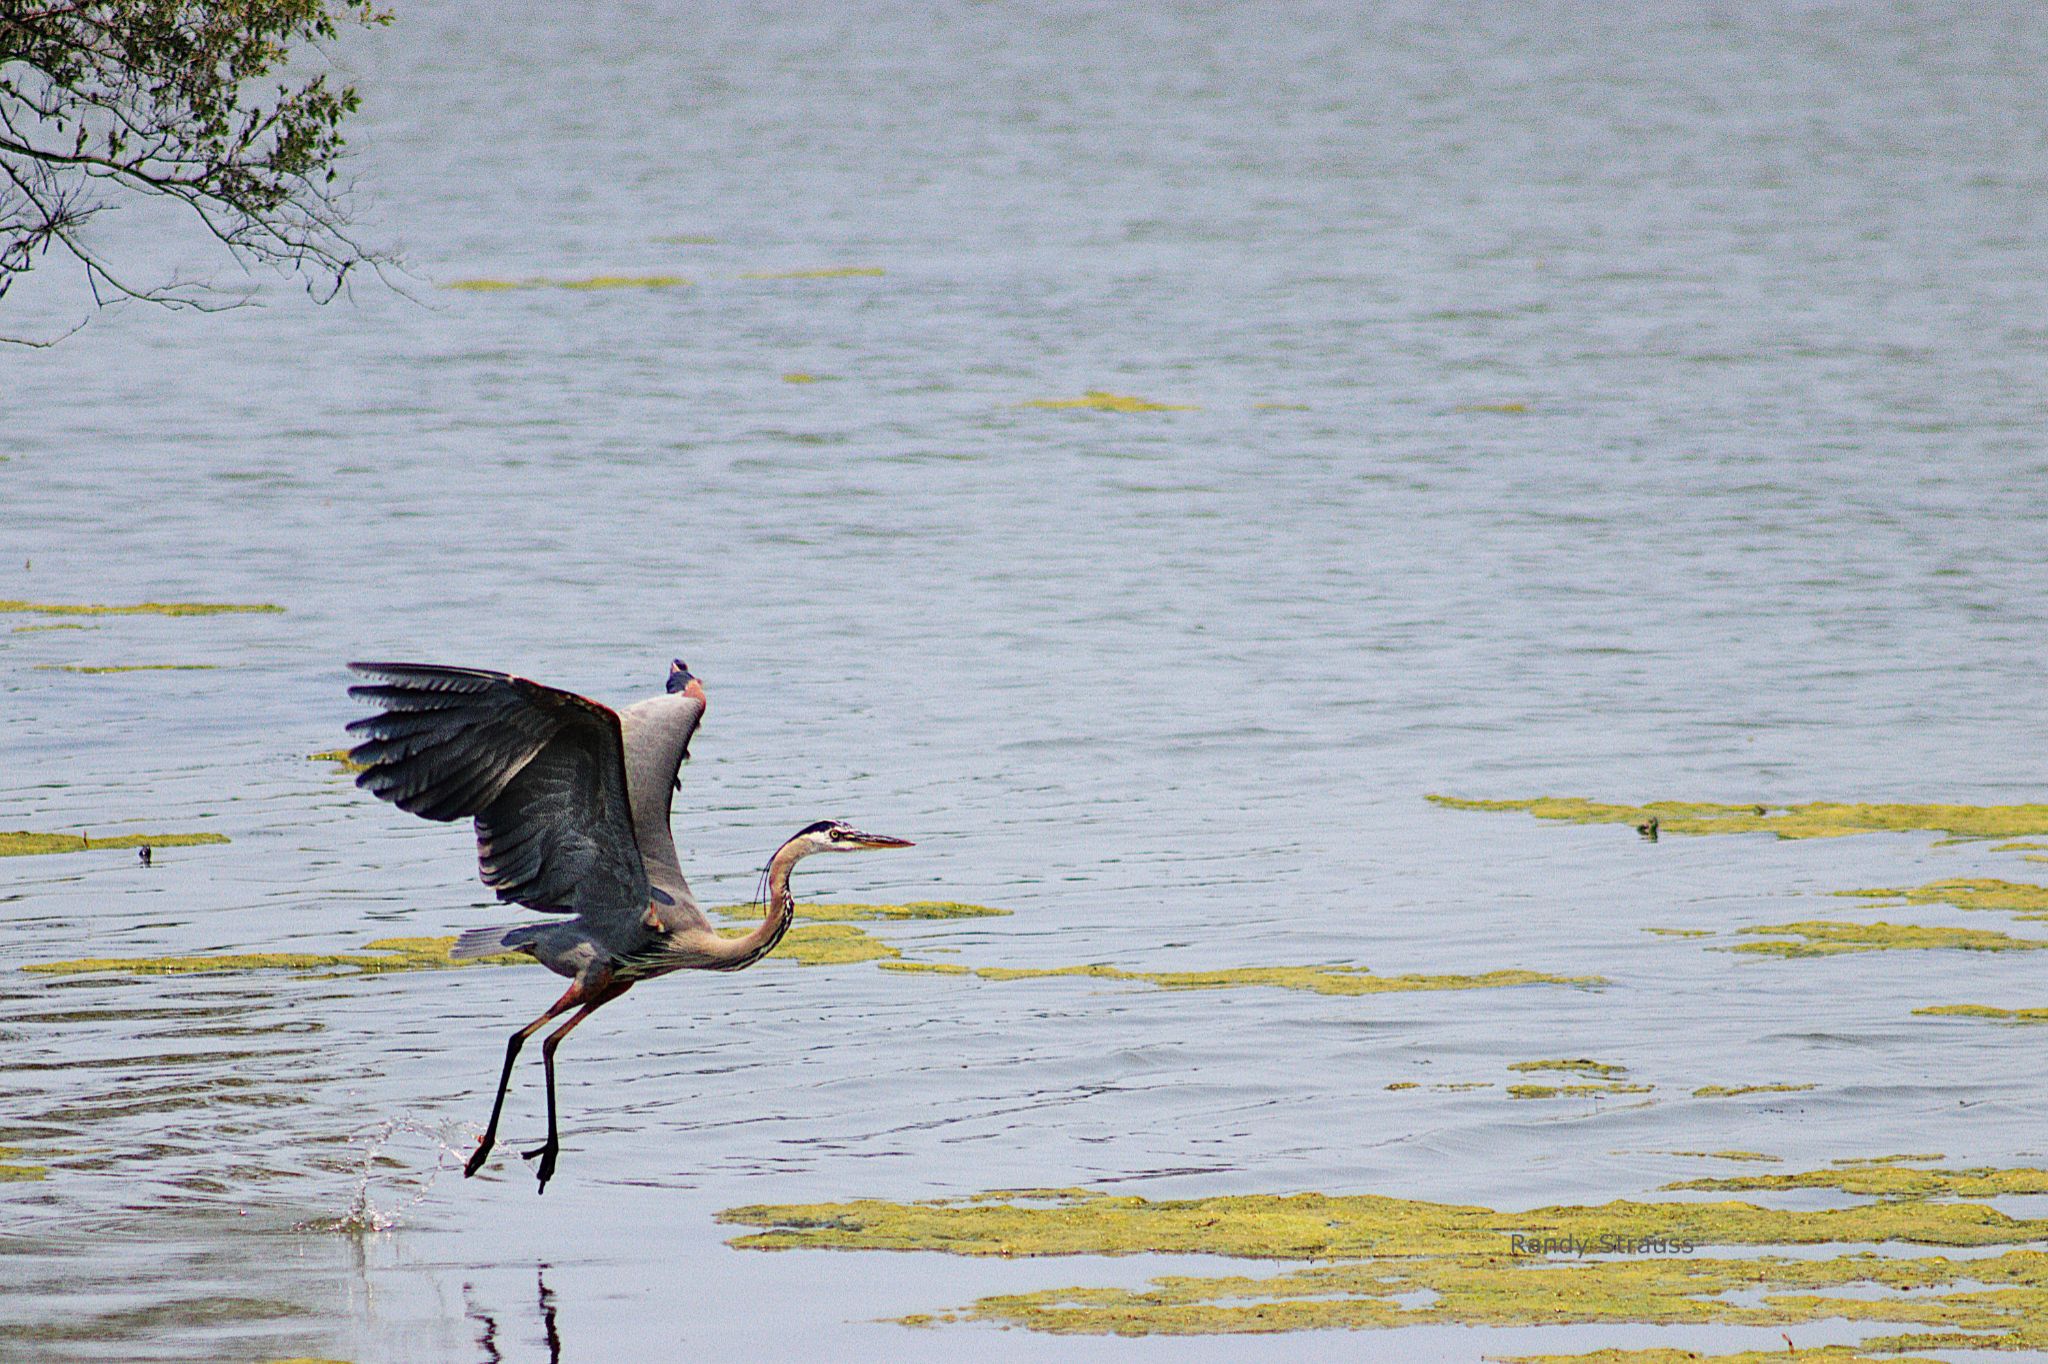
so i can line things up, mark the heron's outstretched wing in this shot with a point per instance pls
(657, 735)
(541, 771)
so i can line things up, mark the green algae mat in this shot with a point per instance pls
(825, 934)
(1578, 1090)
(1738, 1091)
(12, 1172)
(143, 608)
(22, 843)
(1325, 980)
(1885, 1178)
(1816, 819)
(1825, 938)
(1578, 1065)
(806, 944)
(1100, 400)
(1383, 1262)
(1819, 1354)
(2021, 899)
(384, 954)
(1984, 1011)
(491, 286)
(830, 943)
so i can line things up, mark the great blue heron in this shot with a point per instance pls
(571, 802)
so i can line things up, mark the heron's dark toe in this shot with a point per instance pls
(547, 1156)
(476, 1160)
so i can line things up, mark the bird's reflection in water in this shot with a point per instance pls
(547, 1314)
(487, 1324)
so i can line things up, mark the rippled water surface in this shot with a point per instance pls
(1632, 402)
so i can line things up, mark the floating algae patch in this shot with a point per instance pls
(843, 913)
(12, 1172)
(831, 939)
(1395, 1262)
(797, 376)
(1573, 1091)
(145, 608)
(1314, 1226)
(826, 945)
(1734, 1091)
(812, 944)
(1326, 980)
(340, 757)
(1880, 1179)
(1097, 400)
(1507, 408)
(2019, 847)
(1984, 1011)
(125, 667)
(829, 272)
(60, 625)
(624, 282)
(21, 843)
(1821, 939)
(1819, 819)
(385, 954)
(1815, 1354)
(1577, 1065)
(1729, 1155)
(1681, 932)
(485, 286)
(2022, 898)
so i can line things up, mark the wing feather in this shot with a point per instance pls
(541, 771)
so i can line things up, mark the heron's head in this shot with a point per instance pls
(832, 835)
(682, 680)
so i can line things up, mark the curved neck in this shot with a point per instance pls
(776, 913)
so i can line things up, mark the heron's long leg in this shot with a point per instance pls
(552, 1148)
(569, 1000)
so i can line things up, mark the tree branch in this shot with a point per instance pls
(166, 99)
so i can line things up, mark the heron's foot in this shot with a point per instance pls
(547, 1156)
(479, 1156)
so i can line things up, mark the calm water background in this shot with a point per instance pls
(1767, 283)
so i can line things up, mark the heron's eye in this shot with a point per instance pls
(839, 835)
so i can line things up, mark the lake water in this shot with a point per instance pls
(1631, 402)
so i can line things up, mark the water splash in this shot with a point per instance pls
(363, 1213)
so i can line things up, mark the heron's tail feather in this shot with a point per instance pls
(489, 942)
